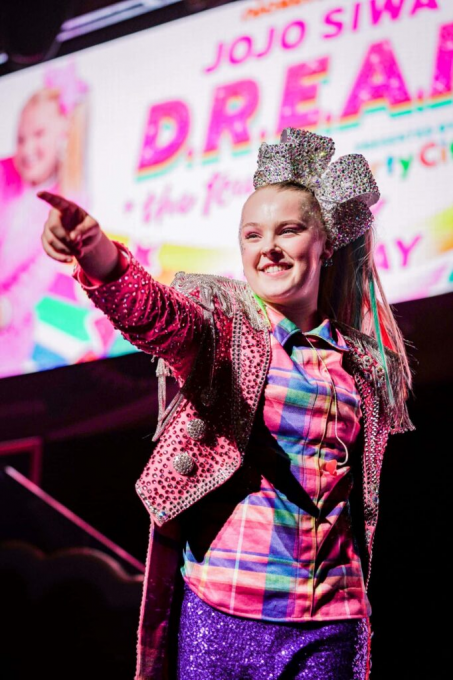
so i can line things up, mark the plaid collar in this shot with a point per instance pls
(283, 329)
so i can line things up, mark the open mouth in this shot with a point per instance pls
(275, 268)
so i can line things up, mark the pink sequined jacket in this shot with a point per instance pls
(210, 333)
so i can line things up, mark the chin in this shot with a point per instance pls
(278, 288)
(275, 296)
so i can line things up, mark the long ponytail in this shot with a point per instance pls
(344, 295)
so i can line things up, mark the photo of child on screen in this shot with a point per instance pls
(49, 153)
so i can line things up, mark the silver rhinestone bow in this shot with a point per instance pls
(345, 190)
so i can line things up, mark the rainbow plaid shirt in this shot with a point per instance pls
(275, 542)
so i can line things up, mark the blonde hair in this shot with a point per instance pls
(71, 166)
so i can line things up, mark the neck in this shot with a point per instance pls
(305, 318)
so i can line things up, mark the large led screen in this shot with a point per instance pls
(156, 135)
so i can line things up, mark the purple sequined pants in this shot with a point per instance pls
(216, 646)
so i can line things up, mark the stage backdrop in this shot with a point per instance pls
(156, 135)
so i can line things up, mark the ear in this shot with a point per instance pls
(328, 250)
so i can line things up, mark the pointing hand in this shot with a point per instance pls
(69, 230)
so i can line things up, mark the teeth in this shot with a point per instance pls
(275, 268)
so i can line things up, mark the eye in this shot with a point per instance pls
(292, 229)
(251, 235)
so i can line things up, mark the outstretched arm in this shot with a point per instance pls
(152, 316)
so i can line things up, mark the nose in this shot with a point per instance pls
(270, 248)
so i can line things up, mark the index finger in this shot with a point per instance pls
(71, 213)
(56, 201)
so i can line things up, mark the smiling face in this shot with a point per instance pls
(41, 133)
(283, 244)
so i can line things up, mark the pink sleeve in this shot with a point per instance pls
(155, 318)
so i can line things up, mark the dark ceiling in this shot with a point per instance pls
(28, 28)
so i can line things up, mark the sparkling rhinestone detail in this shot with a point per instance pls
(345, 190)
(196, 428)
(183, 463)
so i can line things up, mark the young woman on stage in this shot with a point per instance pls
(263, 486)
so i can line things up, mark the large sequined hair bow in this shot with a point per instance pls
(345, 190)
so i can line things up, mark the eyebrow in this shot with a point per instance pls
(280, 224)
